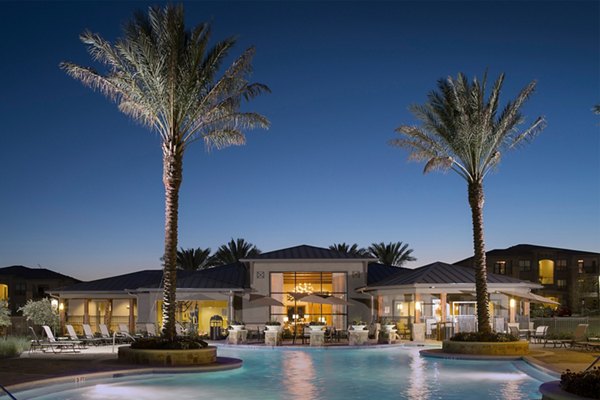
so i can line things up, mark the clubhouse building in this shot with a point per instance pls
(275, 286)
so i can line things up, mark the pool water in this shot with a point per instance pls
(392, 373)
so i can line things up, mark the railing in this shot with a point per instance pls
(563, 325)
(8, 393)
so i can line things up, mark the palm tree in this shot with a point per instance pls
(193, 259)
(396, 254)
(233, 252)
(462, 131)
(349, 249)
(596, 109)
(167, 78)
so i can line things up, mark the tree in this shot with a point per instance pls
(596, 109)
(193, 259)
(462, 131)
(166, 78)
(40, 312)
(396, 254)
(5, 320)
(349, 249)
(233, 252)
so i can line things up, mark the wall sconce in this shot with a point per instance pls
(512, 303)
(399, 306)
(306, 316)
(61, 306)
(418, 305)
(285, 319)
(294, 316)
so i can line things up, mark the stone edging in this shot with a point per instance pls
(520, 348)
(552, 391)
(222, 364)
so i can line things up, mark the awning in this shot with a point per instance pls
(535, 298)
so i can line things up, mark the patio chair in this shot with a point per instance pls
(124, 333)
(180, 330)
(89, 335)
(514, 330)
(540, 334)
(151, 330)
(59, 345)
(84, 341)
(36, 343)
(580, 336)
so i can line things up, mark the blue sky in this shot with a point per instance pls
(81, 184)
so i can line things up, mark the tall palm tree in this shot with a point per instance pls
(396, 254)
(167, 78)
(596, 109)
(462, 131)
(234, 251)
(349, 249)
(193, 259)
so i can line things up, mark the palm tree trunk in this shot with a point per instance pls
(476, 200)
(172, 176)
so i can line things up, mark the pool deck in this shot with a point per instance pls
(37, 366)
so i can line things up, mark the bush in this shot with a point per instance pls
(317, 323)
(494, 337)
(585, 384)
(159, 343)
(13, 346)
(273, 323)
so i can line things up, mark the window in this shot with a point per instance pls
(500, 267)
(524, 265)
(561, 265)
(561, 283)
(546, 272)
(21, 288)
(580, 266)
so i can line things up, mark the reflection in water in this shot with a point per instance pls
(418, 389)
(299, 376)
(511, 390)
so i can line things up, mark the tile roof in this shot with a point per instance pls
(231, 276)
(33, 273)
(440, 273)
(305, 252)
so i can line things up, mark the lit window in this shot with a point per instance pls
(561, 283)
(546, 272)
(524, 265)
(580, 266)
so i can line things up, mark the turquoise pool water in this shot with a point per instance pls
(377, 374)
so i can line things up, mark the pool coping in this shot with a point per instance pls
(533, 362)
(222, 364)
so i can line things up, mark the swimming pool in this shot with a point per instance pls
(386, 373)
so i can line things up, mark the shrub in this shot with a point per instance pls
(40, 312)
(158, 343)
(273, 323)
(4, 315)
(317, 323)
(494, 337)
(237, 323)
(12, 346)
(585, 384)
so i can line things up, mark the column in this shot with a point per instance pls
(443, 305)
(512, 310)
(231, 316)
(86, 311)
(131, 316)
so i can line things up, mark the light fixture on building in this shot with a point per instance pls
(399, 306)
(304, 288)
(512, 303)
(418, 305)
(61, 306)
(285, 319)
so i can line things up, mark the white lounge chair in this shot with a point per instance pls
(124, 332)
(151, 329)
(87, 331)
(84, 341)
(58, 346)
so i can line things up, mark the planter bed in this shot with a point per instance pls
(203, 356)
(519, 348)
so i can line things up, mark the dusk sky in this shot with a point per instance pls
(82, 189)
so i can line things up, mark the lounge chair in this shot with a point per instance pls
(84, 341)
(180, 330)
(59, 345)
(151, 330)
(124, 333)
(89, 335)
(580, 336)
(36, 343)
(540, 334)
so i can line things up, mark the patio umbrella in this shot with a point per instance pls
(314, 298)
(337, 301)
(259, 300)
